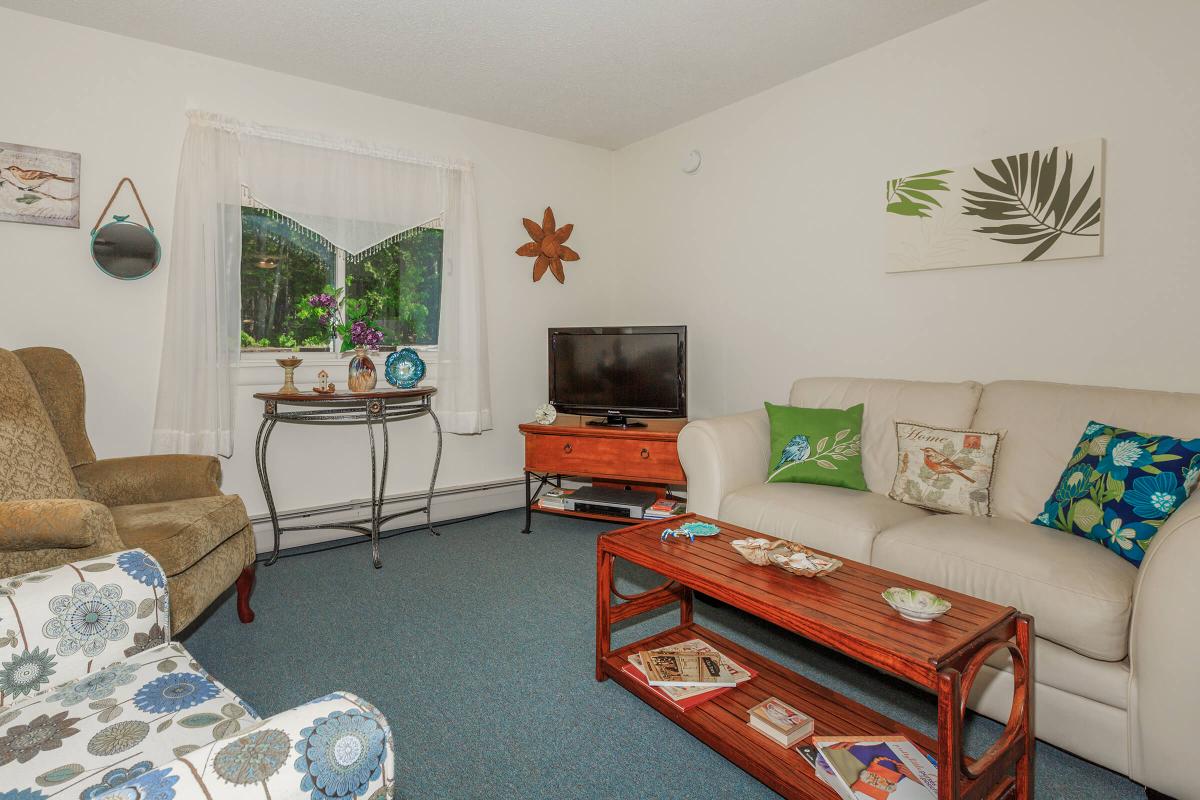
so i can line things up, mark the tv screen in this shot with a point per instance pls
(614, 372)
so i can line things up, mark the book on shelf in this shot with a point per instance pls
(686, 697)
(666, 507)
(780, 721)
(555, 498)
(875, 768)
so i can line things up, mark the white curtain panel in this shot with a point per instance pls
(464, 399)
(197, 377)
(356, 196)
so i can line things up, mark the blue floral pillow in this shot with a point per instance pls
(1121, 486)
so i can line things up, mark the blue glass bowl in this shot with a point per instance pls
(404, 369)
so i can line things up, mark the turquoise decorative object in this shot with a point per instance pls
(404, 369)
(691, 530)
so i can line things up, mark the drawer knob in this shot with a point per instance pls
(567, 448)
(645, 453)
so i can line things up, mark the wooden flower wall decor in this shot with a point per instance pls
(547, 246)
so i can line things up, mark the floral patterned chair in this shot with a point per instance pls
(97, 703)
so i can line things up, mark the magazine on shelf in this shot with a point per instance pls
(685, 697)
(826, 774)
(878, 767)
(699, 668)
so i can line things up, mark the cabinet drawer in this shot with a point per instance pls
(603, 456)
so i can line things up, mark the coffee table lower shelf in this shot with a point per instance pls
(721, 723)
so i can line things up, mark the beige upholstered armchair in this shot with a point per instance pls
(59, 504)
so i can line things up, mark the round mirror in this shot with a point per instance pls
(125, 250)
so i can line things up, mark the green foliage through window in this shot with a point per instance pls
(283, 265)
(402, 285)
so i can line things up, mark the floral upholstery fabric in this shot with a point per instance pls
(83, 615)
(97, 703)
(33, 465)
(59, 382)
(1120, 487)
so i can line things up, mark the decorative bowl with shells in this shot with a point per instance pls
(805, 563)
(916, 605)
(757, 551)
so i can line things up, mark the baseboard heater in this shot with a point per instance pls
(364, 505)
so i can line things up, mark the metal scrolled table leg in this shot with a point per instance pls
(437, 461)
(375, 557)
(260, 462)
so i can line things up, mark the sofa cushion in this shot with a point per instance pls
(1121, 486)
(1043, 421)
(947, 405)
(115, 723)
(945, 470)
(1080, 595)
(180, 532)
(33, 465)
(839, 521)
(816, 445)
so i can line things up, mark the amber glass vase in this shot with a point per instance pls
(362, 371)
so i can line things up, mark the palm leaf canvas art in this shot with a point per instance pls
(1035, 206)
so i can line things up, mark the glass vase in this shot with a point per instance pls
(362, 372)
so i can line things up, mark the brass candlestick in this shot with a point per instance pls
(289, 365)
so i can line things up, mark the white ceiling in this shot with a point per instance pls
(601, 72)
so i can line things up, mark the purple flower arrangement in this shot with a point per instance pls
(357, 330)
(363, 335)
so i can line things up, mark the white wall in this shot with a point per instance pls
(773, 252)
(120, 102)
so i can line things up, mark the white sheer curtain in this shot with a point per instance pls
(356, 196)
(197, 378)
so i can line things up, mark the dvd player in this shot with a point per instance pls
(610, 502)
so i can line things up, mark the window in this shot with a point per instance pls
(283, 264)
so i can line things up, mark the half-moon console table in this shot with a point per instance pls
(348, 408)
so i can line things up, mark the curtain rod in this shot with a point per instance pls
(292, 136)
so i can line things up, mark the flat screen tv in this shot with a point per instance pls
(618, 373)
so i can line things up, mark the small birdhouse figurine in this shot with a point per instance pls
(323, 380)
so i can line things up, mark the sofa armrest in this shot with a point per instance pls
(284, 757)
(54, 524)
(149, 479)
(85, 614)
(1164, 651)
(723, 454)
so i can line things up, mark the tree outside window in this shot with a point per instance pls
(283, 265)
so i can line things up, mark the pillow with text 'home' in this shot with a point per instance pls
(944, 469)
(816, 445)
(1120, 486)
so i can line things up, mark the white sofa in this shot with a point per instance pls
(1117, 658)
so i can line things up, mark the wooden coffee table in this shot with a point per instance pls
(843, 611)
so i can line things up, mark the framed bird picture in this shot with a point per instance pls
(39, 186)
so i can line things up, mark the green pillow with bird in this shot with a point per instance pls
(816, 445)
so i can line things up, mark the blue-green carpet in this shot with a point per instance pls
(478, 645)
